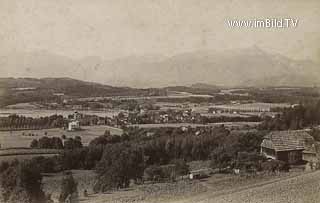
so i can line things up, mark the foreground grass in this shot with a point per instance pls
(293, 187)
(285, 188)
(136, 193)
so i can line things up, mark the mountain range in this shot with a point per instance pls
(246, 67)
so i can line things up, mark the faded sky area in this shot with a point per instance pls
(117, 28)
(93, 30)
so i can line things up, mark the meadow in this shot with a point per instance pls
(23, 138)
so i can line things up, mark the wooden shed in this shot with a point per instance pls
(287, 146)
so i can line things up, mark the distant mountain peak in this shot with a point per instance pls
(250, 66)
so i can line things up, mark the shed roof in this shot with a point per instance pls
(286, 140)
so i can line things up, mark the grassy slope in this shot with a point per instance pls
(285, 188)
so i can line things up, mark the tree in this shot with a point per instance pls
(249, 142)
(47, 143)
(249, 161)
(221, 158)
(45, 164)
(119, 164)
(181, 167)
(69, 189)
(21, 182)
(34, 143)
(56, 143)
(71, 143)
(153, 173)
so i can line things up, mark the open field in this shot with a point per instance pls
(171, 94)
(232, 115)
(24, 106)
(10, 139)
(193, 125)
(37, 113)
(239, 110)
(256, 106)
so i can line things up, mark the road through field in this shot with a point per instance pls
(304, 188)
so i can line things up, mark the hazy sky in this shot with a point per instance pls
(117, 28)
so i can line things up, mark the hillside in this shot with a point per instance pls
(17, 90)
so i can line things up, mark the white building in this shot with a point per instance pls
(73, 125)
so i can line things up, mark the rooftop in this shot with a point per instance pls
(287, 140)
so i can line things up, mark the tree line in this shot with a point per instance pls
(294, 118)
(19, 122)
(21, 181)
(156, 155)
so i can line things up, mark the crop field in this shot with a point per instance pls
(15, 139)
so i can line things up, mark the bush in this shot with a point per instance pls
(249, 161)
(169, 172)
(275, 165)
(153, 173)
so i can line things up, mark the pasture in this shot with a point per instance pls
(23, 138)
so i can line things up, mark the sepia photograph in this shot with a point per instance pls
(159, 101)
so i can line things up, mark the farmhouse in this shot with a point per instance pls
(293, 147)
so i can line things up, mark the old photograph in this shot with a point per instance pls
(159, 101)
